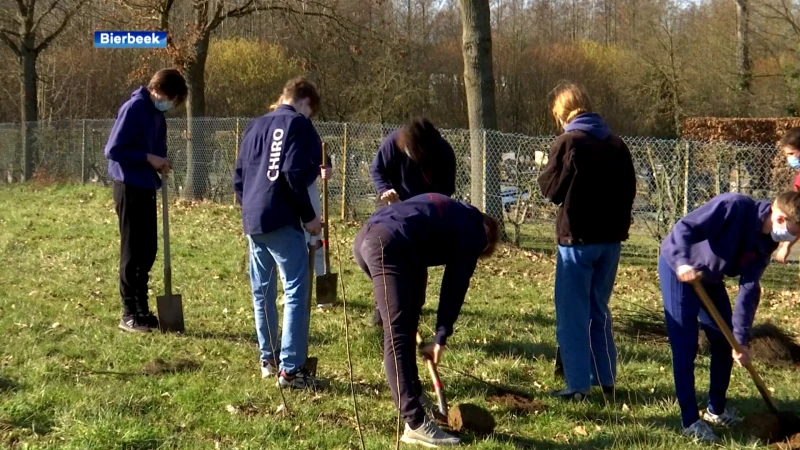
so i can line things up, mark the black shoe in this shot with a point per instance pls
(150, 320)
(567, 395)
(376, 319)
(133, 324)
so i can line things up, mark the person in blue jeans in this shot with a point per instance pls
(590, 176)
(279, 157)
(732, 235)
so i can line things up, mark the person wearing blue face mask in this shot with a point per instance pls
(730, 236)
(137, 152)
(790, 146)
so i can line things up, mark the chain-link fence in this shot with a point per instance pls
(675, 176)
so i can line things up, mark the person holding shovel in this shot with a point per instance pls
(413, 160)
(732, 235)
(395, 249)
(137, 152)
(278, 159)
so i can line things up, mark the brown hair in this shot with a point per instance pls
(420, 138)
(789, 203)
(171, 83)
(492, 235)
(569, 102)
(791, 138)
(277, 103)
(299, 88)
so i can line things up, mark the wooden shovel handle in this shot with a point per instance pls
(437, 382)
(165, 222)
(715, 315)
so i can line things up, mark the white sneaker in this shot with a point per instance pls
(728, 418)
(268, 369)
(702, 432)
(301, 380)
(429, 435)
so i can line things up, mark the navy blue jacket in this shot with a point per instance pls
(724, 238)
(278, 159)
(439, 231)
(140, 129)
(393, 169)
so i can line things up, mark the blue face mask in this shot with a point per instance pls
(780, 233)
(164, 105)
(794, 162)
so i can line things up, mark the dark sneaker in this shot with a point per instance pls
(568, 395)
(133, 324)
(376, 319)
(430, 435)
(150, 320)
(301, 380)
(268, 369)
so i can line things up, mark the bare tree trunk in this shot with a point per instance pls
(198, 149)
(29, 106)
(743, 53)
(480, 90)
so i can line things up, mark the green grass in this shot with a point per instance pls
(69, 379)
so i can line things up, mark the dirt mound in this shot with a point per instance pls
(768, 345)
(159, 366)
(782, 430)
(793, 443)
(517, 403)
(469, 417)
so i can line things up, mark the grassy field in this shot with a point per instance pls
(70, 379)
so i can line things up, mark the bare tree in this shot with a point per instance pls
(28, 32)
(479, 85)
(743, 52)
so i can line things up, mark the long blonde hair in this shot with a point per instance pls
(570, 101)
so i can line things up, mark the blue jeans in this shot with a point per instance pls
(683, 311)
(585, 277)
(285, 250)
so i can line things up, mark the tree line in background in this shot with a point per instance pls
(648, 63)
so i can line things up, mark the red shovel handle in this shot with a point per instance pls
(437, 382)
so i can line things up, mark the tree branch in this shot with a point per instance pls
(63, 25)
(9, 42)
(50, 9)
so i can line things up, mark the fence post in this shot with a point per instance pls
(83, 151)
(344, 174)
(687, 164)
(235, 150)
(484, 188)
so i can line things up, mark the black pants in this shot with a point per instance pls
(138, 231)
(397, 284)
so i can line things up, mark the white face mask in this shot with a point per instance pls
(780, 233)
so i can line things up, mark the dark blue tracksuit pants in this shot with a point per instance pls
(683, 308)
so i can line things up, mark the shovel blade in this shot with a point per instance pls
(311, 365)
(326, 289)
(170, 313)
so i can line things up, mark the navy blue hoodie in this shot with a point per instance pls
(439, 231)
(724, 238)
(393, 169)
(278, 159)
(140, 129)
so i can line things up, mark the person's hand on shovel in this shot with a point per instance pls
(390, 196)
(687, 273)
(160, 164)
(433, 352)
(314, 227)
(742, 359)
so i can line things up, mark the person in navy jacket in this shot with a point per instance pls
(278, 159)
(730, 236)
(413, 160)
(137, 151)
(395, 249)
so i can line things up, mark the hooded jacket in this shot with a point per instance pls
(590, 176)
(278, 159)
(140, 129)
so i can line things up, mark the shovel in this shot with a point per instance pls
(170, 306)
(311, 362)
(437, 382)
(790, 423)
(326, 283)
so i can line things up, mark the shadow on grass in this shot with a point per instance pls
(8, 385)
(239, 336)
(522, 349)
